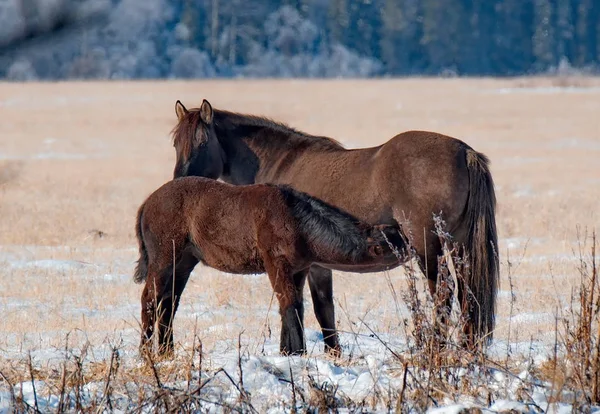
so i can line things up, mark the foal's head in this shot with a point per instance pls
(386, 244)
(196, 145)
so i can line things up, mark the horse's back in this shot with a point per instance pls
(426, 144)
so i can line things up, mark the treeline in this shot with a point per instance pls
(294, 38)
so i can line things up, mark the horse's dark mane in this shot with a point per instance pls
(227, 120)
(325, 225)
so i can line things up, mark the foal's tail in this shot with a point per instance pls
(141, 270)
(482, 248)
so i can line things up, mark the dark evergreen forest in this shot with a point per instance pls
(124, 39)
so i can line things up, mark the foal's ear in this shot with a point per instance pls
(180, 110)
(206, 112)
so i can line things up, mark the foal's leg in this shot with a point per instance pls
(299, 282)
(148, 314)
(171, 294)
(320, 281)
(291, 308)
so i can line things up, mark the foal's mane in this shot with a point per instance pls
(228, 120)
(325, 225)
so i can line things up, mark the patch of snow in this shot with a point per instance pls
(533, 317)
(498, 349)
(509, 406)
(560, 258)
(108, 277)
(59, 265)
(448, 409)
(523, 191)
(515, 242)
(5, 402)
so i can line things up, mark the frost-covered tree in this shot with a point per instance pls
(58, 39)
(22, 70)
(135, 39)
(12, 22)
(191, 63)
(290, 34)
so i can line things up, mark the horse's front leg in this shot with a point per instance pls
(320, 281)
(291, 308)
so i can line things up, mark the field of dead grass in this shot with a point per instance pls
(77, 159)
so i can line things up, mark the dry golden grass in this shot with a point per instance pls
(77, 159)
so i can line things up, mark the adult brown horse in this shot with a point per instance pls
(244, 229)
(403, 182)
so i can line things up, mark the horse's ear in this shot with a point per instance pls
(180, 110)
(206, 112)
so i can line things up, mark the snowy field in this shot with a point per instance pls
(77, 159)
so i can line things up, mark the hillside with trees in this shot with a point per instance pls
(131, 39)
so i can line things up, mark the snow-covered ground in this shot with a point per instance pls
(369, 377)
(371, 380)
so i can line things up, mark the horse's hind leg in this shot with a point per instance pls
(320, 281)
(441, 292)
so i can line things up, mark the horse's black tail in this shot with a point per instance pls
(481, 247)
(141, 269)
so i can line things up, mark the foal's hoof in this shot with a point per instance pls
(298, 352)
(151, 356)
(334, 351)
(145, 350)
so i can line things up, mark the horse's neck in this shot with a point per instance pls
(259, 154)
(241, 164)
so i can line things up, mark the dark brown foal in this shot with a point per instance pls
(244, 229)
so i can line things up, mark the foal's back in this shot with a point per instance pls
(204, 199)
(220, 220)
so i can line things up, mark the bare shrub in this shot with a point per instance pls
(436, 363)
(581, 328)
